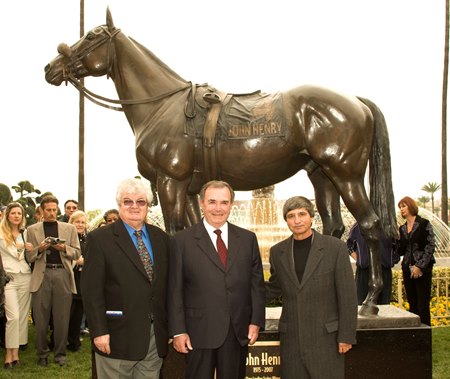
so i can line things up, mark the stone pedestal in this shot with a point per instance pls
(393, 344)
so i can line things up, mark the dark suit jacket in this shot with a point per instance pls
(114, 279)
(317, 313)
(204, 297)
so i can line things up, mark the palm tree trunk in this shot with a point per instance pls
(81, 127)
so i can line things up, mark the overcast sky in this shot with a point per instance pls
(390, 51)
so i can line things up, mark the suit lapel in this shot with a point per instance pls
(125, 243)
(314, 258)
(206, 246)
(287, 260)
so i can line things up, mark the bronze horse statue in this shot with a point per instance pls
(187, 134)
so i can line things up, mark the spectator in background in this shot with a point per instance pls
(416, 245)
(17, 290)
(70, 206)
(38, 214)
(111, 216)
(79, 220)
(357, 248)
(3, 281)
(55, 246)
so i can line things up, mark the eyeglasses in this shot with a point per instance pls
(130, 203)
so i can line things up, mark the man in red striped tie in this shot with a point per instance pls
(216, 299)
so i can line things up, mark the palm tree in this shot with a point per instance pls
(431, 188)
(81, 127)
(423, 200)
(444, 195)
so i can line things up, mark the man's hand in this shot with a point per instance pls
(102, 344)
(253, 332)
(182, 343)
(344, 347)
(44, 245)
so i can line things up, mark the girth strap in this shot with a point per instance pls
(210, 161)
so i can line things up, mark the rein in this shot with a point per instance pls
(92, 96)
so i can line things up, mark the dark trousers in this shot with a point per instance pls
(228, 360)
(2, 330)
(76, 314)
(418, 293)
(362, 276)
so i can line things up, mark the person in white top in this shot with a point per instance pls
(17, 290)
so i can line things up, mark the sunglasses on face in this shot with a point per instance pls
(130, 203)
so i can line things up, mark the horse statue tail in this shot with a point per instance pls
(380, 173)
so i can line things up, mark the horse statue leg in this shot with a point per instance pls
(193, 213)
(327, 202)
(172, 196)
(357, 202)
(369, 306)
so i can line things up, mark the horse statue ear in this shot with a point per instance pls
(109, 20)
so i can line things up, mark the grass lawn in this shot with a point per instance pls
(79, 363)
(441, 352)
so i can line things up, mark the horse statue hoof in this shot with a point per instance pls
(368, 309)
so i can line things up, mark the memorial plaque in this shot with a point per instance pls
(263, 358)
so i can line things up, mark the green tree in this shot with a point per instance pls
(423, 200)
(5, 194)
(27, 197)
(431, 188)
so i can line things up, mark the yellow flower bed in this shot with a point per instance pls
(440, 290)
(439, 304)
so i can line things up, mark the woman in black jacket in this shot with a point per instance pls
(416, 245)
(79, 219)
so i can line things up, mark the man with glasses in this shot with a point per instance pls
(123, 286)
(70, 206)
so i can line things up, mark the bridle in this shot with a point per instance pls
(76, 64)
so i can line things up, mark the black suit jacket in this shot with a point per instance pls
(204, 297)
(114, 279)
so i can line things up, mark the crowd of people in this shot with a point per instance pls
(40, 274)
(137, 289)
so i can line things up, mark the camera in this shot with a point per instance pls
(54, 240)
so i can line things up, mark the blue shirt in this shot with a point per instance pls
(145, 238)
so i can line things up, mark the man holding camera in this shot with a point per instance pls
(55, 245)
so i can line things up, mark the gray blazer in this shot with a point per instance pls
(319, 312)
(35, 236)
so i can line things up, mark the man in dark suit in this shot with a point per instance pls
(124, 287)
(216, 296)
(313, 274)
